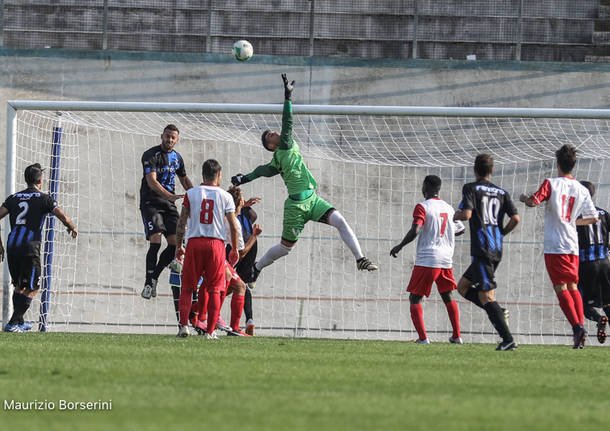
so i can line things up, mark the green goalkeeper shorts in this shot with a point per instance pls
(297, 213)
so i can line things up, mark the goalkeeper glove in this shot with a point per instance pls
(288, 87)
(239, 179)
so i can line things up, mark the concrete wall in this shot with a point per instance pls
(110, 258)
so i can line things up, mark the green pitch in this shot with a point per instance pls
(162, 383)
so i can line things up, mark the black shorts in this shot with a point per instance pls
(24, 270)
(481, 273)
(159, 216)
(594, 282)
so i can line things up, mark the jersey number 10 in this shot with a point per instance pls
(491, 207)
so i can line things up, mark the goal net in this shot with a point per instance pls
(369, 163)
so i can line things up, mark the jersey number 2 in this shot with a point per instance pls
(207, 211)
(24, 210)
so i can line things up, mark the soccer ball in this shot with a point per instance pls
(242, 50)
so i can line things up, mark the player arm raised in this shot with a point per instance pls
(267, 170)
(256, 231)
(151, 180)
(180, 232)
(57, 212)
(286, 141)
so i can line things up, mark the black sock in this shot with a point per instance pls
(496, 317)
(165, 259)
(151, 260)
(592, 314)
(176, 295)
(248, 304)
(473, 296)
(21, 303)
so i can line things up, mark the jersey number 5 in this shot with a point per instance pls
(566, 215)
(207, 211)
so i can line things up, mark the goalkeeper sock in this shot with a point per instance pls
(237, 308)
(248, 304)
(473, 296)
(273, 254)
(165, 259)
(213, 310)
(417, 315)
(176, 295)
(347, 234)
(566, 302)
(496, 317)
(578, 306)
(21, 303)
(454, 317)
(151, 260)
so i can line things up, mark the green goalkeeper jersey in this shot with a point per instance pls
(287, 161)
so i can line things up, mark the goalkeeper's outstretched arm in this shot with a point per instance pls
(261, 171)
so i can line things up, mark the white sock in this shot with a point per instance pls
(273, 254)
(347, 234)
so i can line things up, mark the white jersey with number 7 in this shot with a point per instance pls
(567, 199)
(437, 238)
(207, 208)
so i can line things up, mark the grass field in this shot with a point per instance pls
(161, 383)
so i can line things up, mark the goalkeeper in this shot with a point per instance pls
(302, 204)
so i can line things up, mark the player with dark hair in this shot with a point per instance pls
(567, 200)
(594, 267)
(433, 218)
(302, 204)
(204, 209)
(484, 205)
(157, 203)
(27, 210)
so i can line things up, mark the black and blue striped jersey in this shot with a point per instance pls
(166, 166)
(489, 204)
(27, 212)
(593, 238)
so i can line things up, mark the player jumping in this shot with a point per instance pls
(484, 205)
(302, 204)
(567, 200)
(433, 218)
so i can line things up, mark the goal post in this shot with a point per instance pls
(369, 162)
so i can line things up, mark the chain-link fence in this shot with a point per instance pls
(549, 30)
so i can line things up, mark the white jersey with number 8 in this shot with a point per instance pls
(436, 240)
(207, 208)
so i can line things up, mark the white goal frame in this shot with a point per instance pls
(14, 106)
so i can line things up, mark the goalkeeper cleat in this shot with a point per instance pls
(13, 327)
(580, 335)
(456, 340)
(238, 333)
(426, 341)
(601, 329)
(26, 326)
(506, 315)
(250, 327)
(506, 345)
(183, 332)
(363, 263)
(222, 325)
(211, 336)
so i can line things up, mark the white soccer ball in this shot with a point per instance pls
(242, 50)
